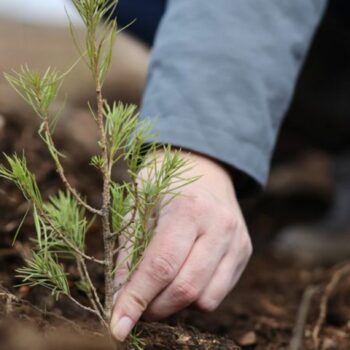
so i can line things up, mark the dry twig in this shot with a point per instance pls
(296, 342)
(338, 274)
(7, 295)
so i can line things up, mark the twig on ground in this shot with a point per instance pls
(296, 342)
(338, 274)
(14, 299)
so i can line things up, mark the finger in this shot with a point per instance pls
(224, 279)
(193, 277)
(162, 260)
(122, 271)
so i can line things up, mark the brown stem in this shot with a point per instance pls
(106, 204)
(4, 292)
(338, 274)
(68, 242)
(297, 340)
(92, 293)
(63, 177)
(88, 309)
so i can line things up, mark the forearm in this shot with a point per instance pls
(223, 73)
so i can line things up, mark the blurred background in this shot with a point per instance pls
(303, 214)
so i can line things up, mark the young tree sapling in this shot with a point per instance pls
(63, 220)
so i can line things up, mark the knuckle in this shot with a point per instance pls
(137, 302)
(185, 292)
(193, 204)
(249, 246)
(121, 273)
(246, 247)
(228, 220)
(162, 268)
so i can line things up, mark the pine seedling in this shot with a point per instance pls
(63, 220)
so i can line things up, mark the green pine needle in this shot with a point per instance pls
(68, 217)
(122, 203)
(38, 90)
(44, 270)
(18, 173)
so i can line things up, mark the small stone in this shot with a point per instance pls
(23, 291)
(248, 339)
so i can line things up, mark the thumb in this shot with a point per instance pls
(122, 268)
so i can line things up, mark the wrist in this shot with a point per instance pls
(213, 175)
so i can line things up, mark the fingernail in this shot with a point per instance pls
(122, 327)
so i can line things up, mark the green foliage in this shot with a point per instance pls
(163, 177)
(121, 122)
(43, 269)
(140, 148)
(97, 161)
(39, 90)
(66, 216)
(19, 174)
(136, 341)
(122, 204)
(98, 43)
(127, 211)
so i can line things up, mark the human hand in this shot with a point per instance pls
(200, 248)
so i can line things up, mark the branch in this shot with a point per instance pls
(296, 342)
(63, 177)
(338, 274)
(133, 215)
(68, 242)
(8, 295)
(94, 298)
(106, 200)
(88, 309)
(130, 222)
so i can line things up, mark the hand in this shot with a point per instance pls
(200, 248)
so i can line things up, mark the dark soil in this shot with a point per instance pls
(259, 314)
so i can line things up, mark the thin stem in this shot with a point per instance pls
(127, 240)
(106, 202)
(88, 309)
(6, 293)
(338, 274)
(63, 177)
(93, 290)
(68, 242)
(133, 215)
(126, 226)
(88, 292)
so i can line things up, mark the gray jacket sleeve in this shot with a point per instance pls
(222, 75)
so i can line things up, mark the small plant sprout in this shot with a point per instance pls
(63, 220)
